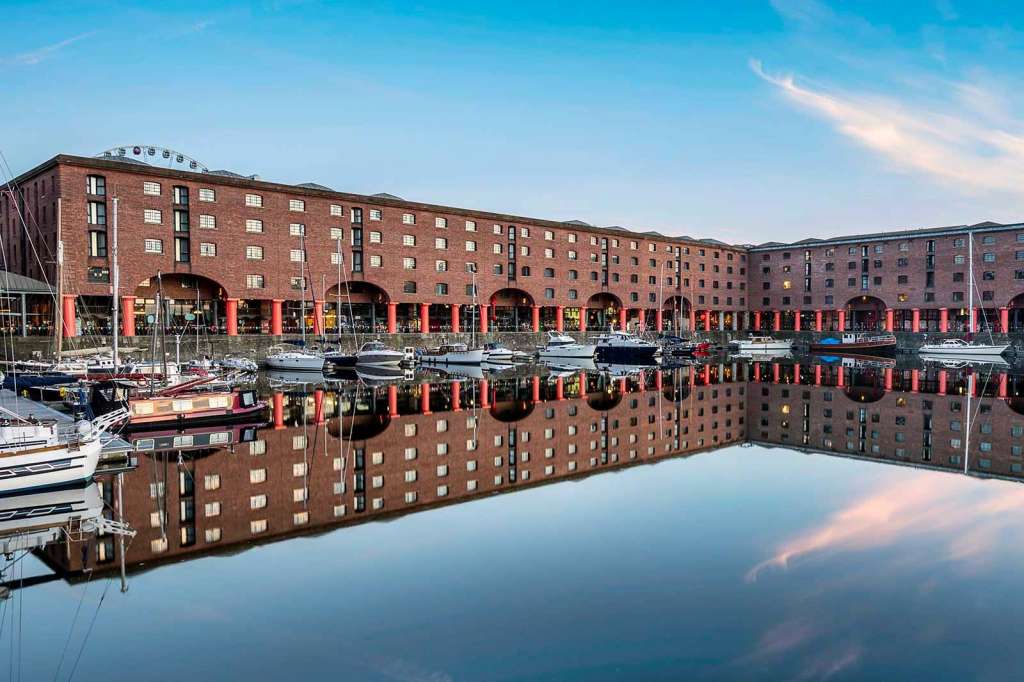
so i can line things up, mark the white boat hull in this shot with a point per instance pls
(575, 352)
(295, 362)
(774, 346)
(966, 352)
(380, 359)
(465, 357)
(49, 467)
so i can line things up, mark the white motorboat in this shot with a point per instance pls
(958, 348)
(375, 353)
(497, 353)
(47, 454)
(623, 348)
(452, 354)
(562, 346)
(763, 344)
(295, 360)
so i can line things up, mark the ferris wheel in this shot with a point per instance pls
(153, 155)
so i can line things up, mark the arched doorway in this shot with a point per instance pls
(358, 307)
(189, 302)
(602, 310)
(511, 311)
(865, 314)
(676, 314)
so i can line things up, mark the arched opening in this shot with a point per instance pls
(676, 314)
(865, 385)
(865, 314)
(188, 301)
(357, 306)
(356, 427)
(1015, 314)
(602, 310)
(511, 311)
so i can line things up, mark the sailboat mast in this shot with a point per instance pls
(302, 285)
(59, 303)
(115, 286)
(337, 303)
(967, 435)
(970, 293)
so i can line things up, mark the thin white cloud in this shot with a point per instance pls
(40, 54)
(962, 146)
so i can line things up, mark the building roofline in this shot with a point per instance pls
(375, 200)
(914, 233)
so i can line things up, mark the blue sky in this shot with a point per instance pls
(742, 121)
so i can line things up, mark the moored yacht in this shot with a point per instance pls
(452, 354)
(377, 354)
(294, 360)
(497, 352)
(958, 348)
(562, 346)
(621, 347)
(763, 344)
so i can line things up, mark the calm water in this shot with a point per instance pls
(748, 523)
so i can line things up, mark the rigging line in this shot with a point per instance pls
(88, 632)
(71, 630)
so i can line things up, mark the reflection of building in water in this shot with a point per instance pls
(334, 459)
(909, 416)
(407, 448)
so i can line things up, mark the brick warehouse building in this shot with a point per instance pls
(909, 281)
(231, 246)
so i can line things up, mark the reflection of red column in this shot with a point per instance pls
(456, 396)
(943, 320)
(817, 375)
(424, 398)
(424, 318)
(393, 401)
(840, 378)
(915, 319)
(657, 379)
(318, 406)
(796, 373)
(659, 320)
(456, 325)
(278, 410)
(888, 378)
(485, 394)
(535, 392)
(796, 321)
(536, 318)
(392, 318)
(890, 320)
(623, 388)
(942, 382)
(559, 389)
(559, 318)
(127, 316)
(231, 313)
(817, 320)
(693, 377)
(276, 325)
(483, 317)
(776, 371)
(584, 384)
(915, 380)
(622, 318)
(777, 320)
(757, 371)
(757, 320)
(1004, 320)
(706, 375)
(1003, 381)
(318, 318)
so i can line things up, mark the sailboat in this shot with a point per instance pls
(297, 360)
(457, 353)
(958, 348)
